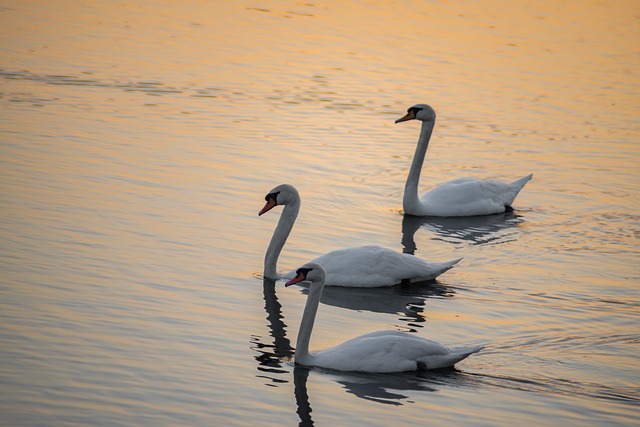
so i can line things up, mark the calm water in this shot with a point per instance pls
(138, 142)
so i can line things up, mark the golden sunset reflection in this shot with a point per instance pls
(138, 144)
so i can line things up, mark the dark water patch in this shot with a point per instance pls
(28, 99)
(257, 9)
(311, 15)
(143, 183)
(152, 88)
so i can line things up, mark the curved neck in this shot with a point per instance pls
(308, 318)
(285, 224)
(410, 198)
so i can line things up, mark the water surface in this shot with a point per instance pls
(138, 142)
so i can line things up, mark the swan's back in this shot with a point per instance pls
(389, 351)
(374, 266)
(471, 196)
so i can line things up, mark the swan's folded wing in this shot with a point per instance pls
(374, 266)
(383, 351)
(469, 196)
(362, 266)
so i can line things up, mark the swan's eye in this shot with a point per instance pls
(273, 196)
(303, 271)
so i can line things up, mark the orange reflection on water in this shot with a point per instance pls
(141, 139)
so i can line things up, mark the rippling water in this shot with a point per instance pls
(138, 142)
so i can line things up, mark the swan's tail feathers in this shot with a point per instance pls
(519, 183)
(437, 268)
(516, 186)
(463, 353)
(449, 264)
(467, 351)
(453, 357)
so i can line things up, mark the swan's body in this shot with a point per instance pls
(459, 197)
(363, 266)
(374, 266)
(381, 351)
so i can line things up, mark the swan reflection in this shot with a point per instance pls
(385, 388)
(473, 230)
(300, 375)
(271, 355)
(390, 389)
(406, 300)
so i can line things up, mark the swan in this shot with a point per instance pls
(364, 266)
(381, 351)
(459, 197)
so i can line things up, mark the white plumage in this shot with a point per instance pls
(363, 266)
(381, 351)
(459, 197)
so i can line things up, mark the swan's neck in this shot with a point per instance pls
(306, 325)
(285, 224)
(411, 200)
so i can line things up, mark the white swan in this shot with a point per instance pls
(459, 197)
(363, 266)
(381, 351)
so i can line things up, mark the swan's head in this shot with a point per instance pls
(308, 273)
(280, 195)
(421, 112)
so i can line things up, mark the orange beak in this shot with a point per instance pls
(271, 203)
(409, 116)
(299, 278)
